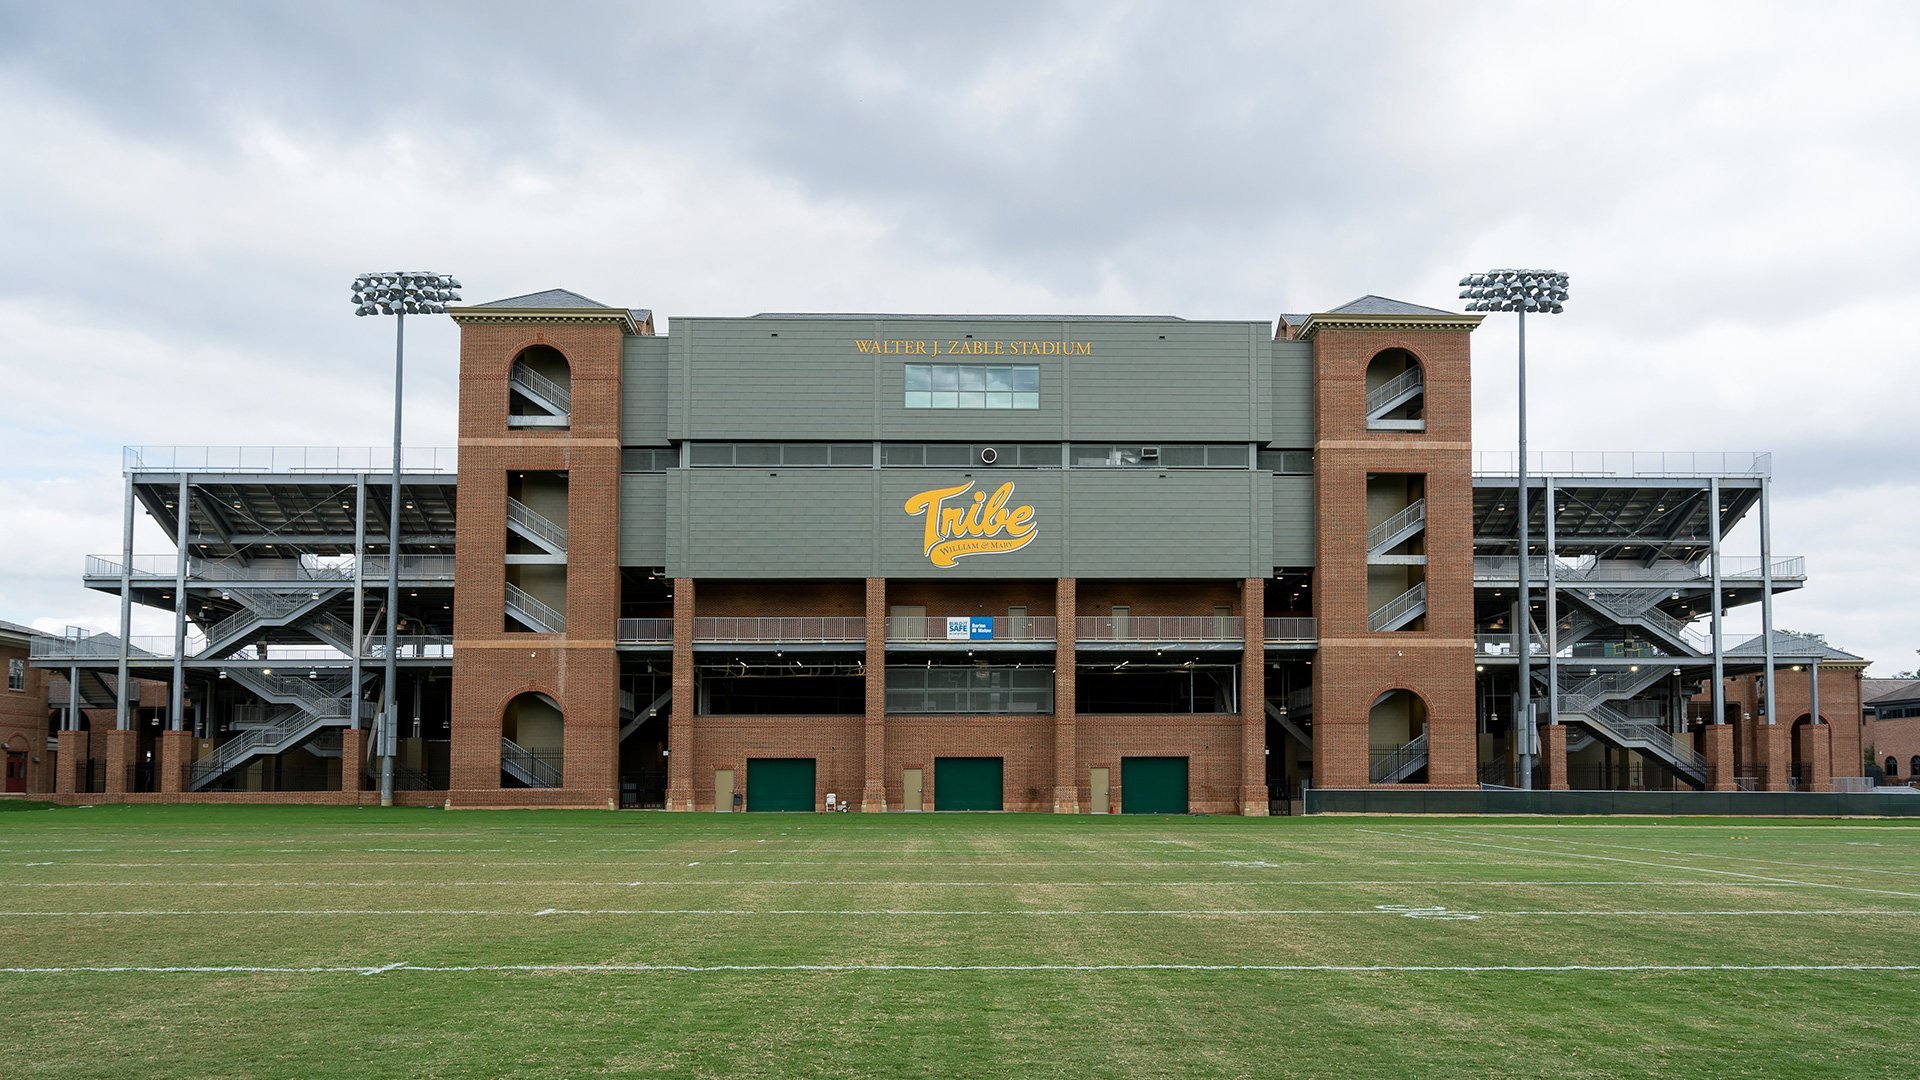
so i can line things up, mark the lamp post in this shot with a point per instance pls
(1543, 292)
(400, 294)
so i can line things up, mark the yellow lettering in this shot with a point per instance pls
(983, 527)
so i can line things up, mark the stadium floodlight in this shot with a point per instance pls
(400, 294)
(1542, 292)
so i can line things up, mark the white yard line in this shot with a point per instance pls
(1563, 854)
(758, 882)
(1762, 860)
(597, 969)
(1406, 911)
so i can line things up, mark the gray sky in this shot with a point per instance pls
(191, 187)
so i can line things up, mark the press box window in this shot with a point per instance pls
(973, 386)
(648, 459)
(758, 454)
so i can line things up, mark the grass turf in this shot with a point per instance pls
(936, 945)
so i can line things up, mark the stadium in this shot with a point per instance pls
(1068, 564)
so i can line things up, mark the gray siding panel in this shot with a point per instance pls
(1293, 521)
(1292, 388)
(643, 519)
(643, 391)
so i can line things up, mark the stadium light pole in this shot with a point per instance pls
(400, 294)
(1543, 292)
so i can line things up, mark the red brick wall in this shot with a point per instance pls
(1355, 666)
(578, 669)
(23, 719)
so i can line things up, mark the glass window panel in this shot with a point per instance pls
(972, 377)
(1026, 401)
(946, 399)
(918, 378)
(804, 454)
(945, 377)
(999, 378)
(999, 399)
(1091, 455)
(712, 454)
(903, 454)
(919, 399)
(1042, 455)
(1229, 457)
(949, 454)
(973, 399)
(1026, 378)
(1183, 457)
(756, 454)
(852, 454)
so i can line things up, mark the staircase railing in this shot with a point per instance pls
(532, 769)
(1401, 762)
(1382, 396)
(552, 392)
(528, 607)
(1637, 732)
(1394, 611)
(1382, 534)
(538, 524)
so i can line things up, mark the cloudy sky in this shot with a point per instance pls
(190, 187)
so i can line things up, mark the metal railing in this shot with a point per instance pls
(1623, 605)
(1381, 396)
(1394, 611)
(307, 568)
(271, 459)
(772, 629)
(530, 768)
(536, 523)
(1159, 628)
(528, 606)
(539, 385)
(1637, 732)
(1290, 629)
(1404, 521)
(1668, 463)
(1502, 645)
(1392, 766)
(934, 628)
(644, 631)
(1505, 568)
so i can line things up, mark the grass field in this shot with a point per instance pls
(301, 942)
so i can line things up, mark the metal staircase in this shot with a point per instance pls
(259, 610)
(540, 391)
(1399, 611)
(1399, 764)
(1394, 393)
(528, 523)
(1640, 608)
(1397, 530)
(525, 766)
(632, 718)
(1613, 725)
(305, 706)
(1284, 718)
(532, 613)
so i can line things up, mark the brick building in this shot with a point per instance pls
(23, 715)
(1069, 564)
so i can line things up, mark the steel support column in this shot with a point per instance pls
(176, 703)
(123, 718)
(359, 593)
(1553, 615)
(390, 695)
(1714, 602)
(1766, 595)
(1522, 627)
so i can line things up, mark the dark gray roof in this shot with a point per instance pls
(15, 628)
(551, 298)
(1381, 305)
(1293, 319)
(641, 315)
(1877, 690)
(1797, 646)
(965, 318)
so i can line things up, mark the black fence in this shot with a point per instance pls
(90, 776)
(1387, 800)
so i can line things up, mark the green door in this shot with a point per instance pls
(775, 784)
(1153, 785)
(967, 783)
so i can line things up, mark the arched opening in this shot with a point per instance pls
(540, 388)
(1913, 766)
(1397, 737)
(1396, 392)
(16, 765)
(532, 742)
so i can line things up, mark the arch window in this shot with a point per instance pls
(1913, 765)
(1893, 765)
(1396, 392)
(1397, 737)
(540, 389)
(532, 742)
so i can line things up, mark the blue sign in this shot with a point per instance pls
(970, 628)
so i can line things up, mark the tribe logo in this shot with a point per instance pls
(956, 529)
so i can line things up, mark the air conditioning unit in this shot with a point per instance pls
(1149, 453)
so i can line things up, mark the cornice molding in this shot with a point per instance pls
(494, 316)
(1329, 321)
